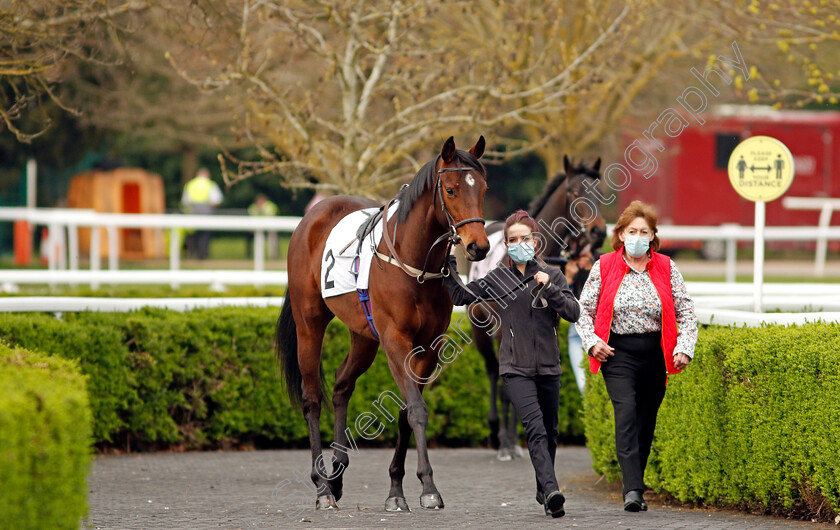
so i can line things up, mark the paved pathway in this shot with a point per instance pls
(258, 490)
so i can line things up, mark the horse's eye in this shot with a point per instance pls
(450, 192)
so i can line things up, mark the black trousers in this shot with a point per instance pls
(536, 401)
(202, 244)
(635, 380)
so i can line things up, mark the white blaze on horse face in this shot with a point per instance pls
(470, 180)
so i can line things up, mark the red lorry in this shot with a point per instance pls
(691, 185)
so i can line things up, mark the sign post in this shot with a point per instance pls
(758, 257)
(761, 170)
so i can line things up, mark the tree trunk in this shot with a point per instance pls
(189, 163)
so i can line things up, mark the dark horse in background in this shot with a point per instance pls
(556, 201)
(443, 203)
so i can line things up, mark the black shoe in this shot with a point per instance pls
(554, 504)
(541, 500)
(634, 502)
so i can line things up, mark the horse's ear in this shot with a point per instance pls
(567, 166)
(478, 149)
(448, 151)
(597, 166)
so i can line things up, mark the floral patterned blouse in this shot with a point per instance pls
(637, 308)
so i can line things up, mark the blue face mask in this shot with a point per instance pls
(637, 245)
(522, 252)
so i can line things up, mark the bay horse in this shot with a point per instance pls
(555, 202)
(410, 308)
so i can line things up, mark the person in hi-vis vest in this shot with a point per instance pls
(262, 207)
(201, 197)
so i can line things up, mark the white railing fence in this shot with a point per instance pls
(60, 304)
(68, 221)
(826, 207)
(715, 303)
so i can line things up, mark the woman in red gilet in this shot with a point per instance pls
(638, 325)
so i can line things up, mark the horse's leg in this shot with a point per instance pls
(310, 333)
(398, 345)
(396, 498)
(362, 353)
(484, 345)
(430, 498)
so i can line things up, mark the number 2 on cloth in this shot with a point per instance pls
(329, 284)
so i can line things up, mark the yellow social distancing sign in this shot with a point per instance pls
(761, 169)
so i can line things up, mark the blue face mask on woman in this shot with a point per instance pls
(522, 252)
(637, 245)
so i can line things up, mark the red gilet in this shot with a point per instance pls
(613, 269)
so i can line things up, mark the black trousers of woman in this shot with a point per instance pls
(536, 400)
(635, 380)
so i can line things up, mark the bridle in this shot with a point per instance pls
(565, 253)
(453, 226)
(451, 237)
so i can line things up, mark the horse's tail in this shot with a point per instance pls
(285, 347)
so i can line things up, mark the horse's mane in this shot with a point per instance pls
(538, 203)
(426, 178)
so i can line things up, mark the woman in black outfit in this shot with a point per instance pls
(529, 358)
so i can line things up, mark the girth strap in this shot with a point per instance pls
(364, 298)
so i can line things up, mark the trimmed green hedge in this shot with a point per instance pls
(208, 378)
(45, 436)
(754, 422)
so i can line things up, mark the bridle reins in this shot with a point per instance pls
(538, 301)
(451, 237)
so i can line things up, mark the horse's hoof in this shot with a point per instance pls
(518, 452)
(326, 502)
(396, 504)
(504, 455)
(337, 491)
(431, 501)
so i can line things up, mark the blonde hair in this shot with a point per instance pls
(631, 213)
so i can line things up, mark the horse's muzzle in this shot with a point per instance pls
(597, 236)
(475, 252)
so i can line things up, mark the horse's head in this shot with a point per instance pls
(569, 205)
(460, 188)
(583, 205)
